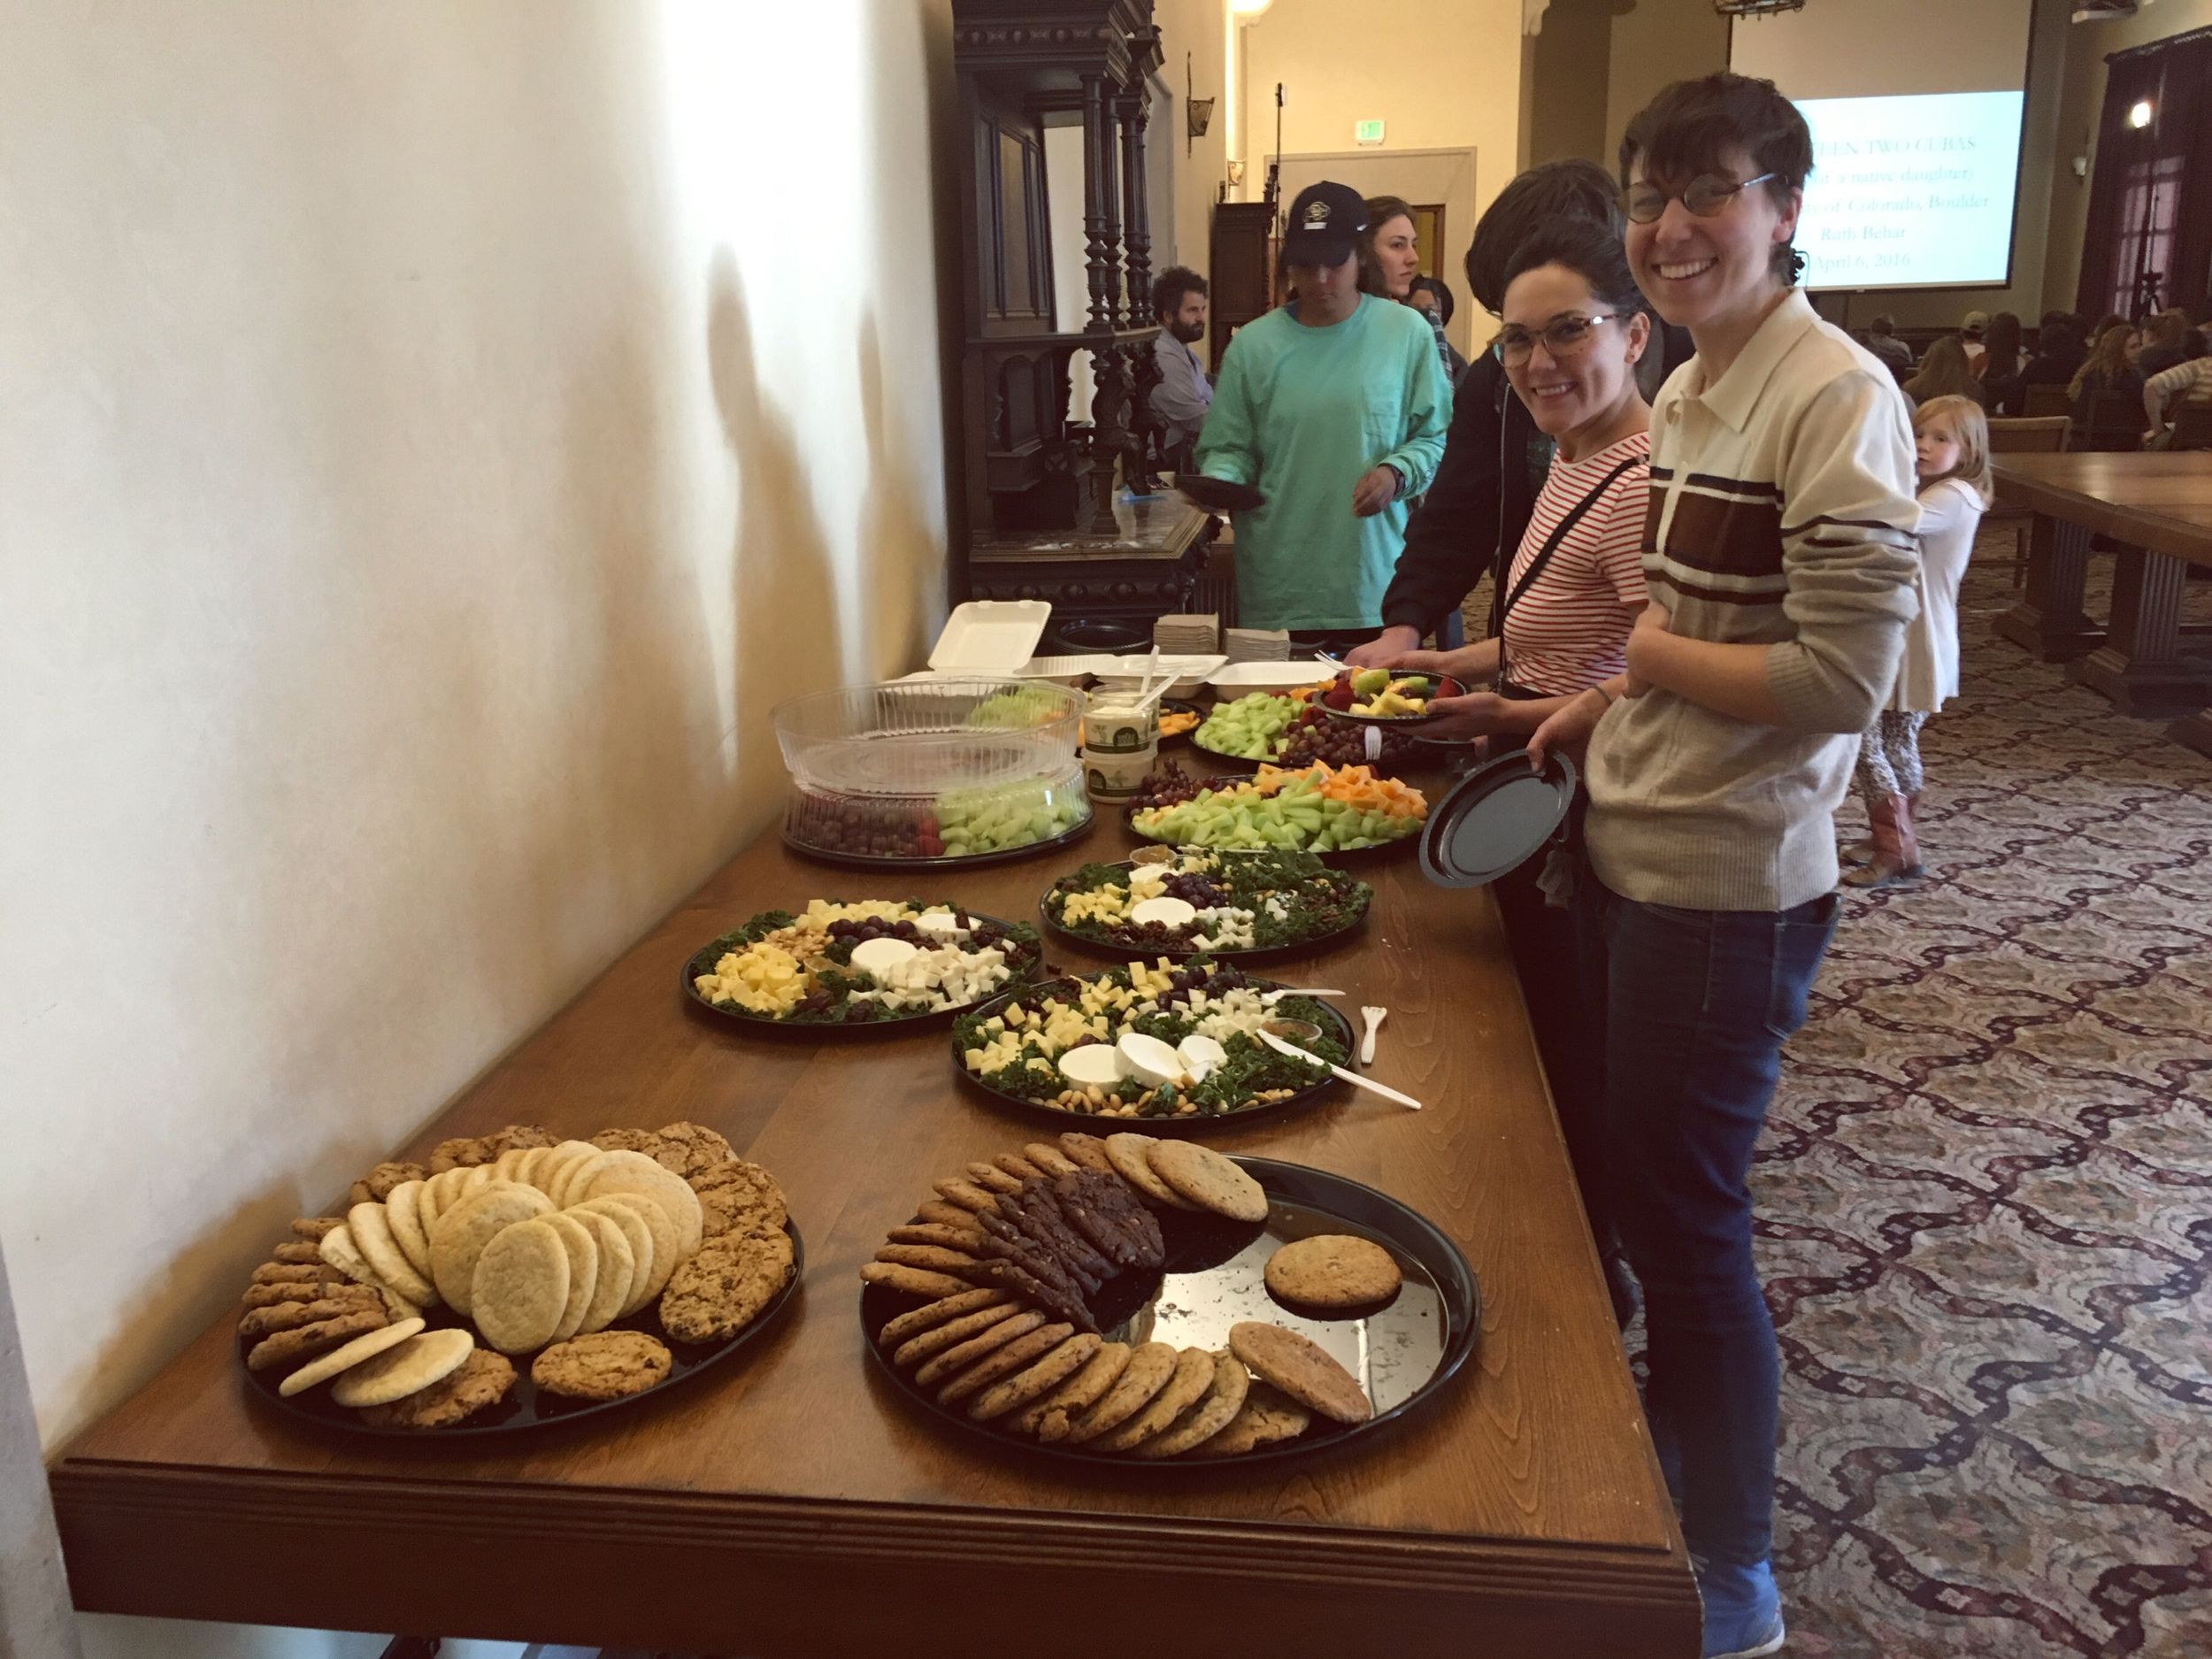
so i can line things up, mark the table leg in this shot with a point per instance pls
(2049, 619)
(2140, 666)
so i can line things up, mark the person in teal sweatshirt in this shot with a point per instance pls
(1335, 407)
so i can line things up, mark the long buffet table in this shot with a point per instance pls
(791, 1505)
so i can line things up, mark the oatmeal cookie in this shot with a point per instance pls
(605, 1366)
(690, 1149)
(721, 1290)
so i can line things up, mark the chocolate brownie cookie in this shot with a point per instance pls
(606, 1365)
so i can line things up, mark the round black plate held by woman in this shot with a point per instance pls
(1498, 818)
(702, 961)
(1403, 1354)
(527, 1408)
(1333, 1024)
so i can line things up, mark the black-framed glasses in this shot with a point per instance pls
(1705, 196)
(1564, 336)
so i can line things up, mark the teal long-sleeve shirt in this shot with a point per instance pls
(1303, 413)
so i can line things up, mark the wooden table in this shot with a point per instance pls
(795, 1506)
(2159, 507)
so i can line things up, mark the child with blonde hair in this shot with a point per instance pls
(1951, 446)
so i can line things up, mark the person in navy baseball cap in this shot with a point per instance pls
(1325, 224)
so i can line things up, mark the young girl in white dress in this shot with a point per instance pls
(1951, 442)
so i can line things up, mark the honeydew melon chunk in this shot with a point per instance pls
(1094, 1063)
(1148, 1060)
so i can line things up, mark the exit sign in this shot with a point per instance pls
(1367, 131)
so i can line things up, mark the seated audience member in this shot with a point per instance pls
(1970, 330)
(1183, 396)
(2106, 370)
(1882, 341)
(1433, 298)
(2137, 339)
(2162, 342)
(2188, 381)
(1944, 373)
(2056, 356)
(2001, 367)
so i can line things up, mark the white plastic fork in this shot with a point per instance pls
(1374, 1017)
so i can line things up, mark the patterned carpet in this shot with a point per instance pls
(1985, 1201)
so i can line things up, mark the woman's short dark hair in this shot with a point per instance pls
(1443, 292)
(1690, 127)
(1556, 190)
(1171, 284)
(1592, 252)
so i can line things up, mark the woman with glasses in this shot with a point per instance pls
(1781, 560)
(1574, 330)
(1494, 457)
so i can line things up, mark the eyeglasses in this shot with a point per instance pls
(1708, 194)
(1566, 336)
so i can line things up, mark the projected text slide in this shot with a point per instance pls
(1910, 191)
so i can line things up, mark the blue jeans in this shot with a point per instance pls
(1695, 1006)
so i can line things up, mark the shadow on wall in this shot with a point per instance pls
(897, 544)
(782, 585)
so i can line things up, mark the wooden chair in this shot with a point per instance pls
(2043, 434)
(2112, 422)
(2192, 427)
(2044, 400)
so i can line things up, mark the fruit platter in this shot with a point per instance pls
(1164, 903)
(954, 827)
(861, 965)
(1377, 694)
(1317, 808)
(1175, 1046)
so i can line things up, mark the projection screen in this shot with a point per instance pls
(1915, 107)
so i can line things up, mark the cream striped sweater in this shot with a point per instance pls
(1781, 514)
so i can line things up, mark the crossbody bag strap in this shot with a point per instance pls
(1560, 531)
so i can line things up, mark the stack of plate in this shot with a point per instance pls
(1187, 635)
(1257, 645)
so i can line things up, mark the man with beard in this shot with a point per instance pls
(1182, 397)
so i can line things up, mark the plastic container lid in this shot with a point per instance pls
(1498, 818)
(990, 636)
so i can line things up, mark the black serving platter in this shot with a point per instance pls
(1147, 953)
(1446, 687)
(1178, 706)
(525, 1410)
(968, 861)
(703, 961)
(1413, 1345)
(1334, 1025)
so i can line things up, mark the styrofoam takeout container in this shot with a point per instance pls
(990, 636)
(1238, 677)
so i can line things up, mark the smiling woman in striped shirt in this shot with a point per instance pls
(1780, 555)
(1574, 326)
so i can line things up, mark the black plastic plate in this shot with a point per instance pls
(1501, 814)
(1404, 1354)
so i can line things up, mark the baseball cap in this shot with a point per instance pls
(1326, 222)
(1975, 320)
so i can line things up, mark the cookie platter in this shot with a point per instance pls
(518, 1282)
(1227, 905)
(1172, 1046)
(844, 967)
(1153, 1303)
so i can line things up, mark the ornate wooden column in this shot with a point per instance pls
(1137, 237)
(1110, 382)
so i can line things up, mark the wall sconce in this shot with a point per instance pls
(1198, 114)
(1236, 171)
(2139, 114)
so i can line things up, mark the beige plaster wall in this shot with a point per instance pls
(1195, 28)
(2080, 103)
(434, 434)
(1653, 43)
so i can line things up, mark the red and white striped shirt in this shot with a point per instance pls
(1570, 630)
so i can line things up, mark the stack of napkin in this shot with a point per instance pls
(1257, 645)
(1187, 637)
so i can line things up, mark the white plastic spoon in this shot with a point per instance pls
(1353, 1078)
(1272, 998)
